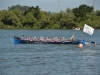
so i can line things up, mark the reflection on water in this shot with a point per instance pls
(40, 59)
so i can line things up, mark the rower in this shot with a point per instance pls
(22, 37)
(72, 38)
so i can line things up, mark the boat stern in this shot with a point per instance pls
(83, 42)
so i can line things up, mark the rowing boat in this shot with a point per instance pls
(18, 40)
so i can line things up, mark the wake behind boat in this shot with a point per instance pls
(48, 40)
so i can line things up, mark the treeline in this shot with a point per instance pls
(25, 17)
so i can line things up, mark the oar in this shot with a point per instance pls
(93, 42)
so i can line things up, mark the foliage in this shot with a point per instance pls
(18, 6)
(98, 12)
(34, 18)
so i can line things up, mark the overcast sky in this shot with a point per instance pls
(50, 5)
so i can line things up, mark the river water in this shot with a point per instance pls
(47, 59)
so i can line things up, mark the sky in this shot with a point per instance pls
(50, 5)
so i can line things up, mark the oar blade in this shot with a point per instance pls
(93, 42)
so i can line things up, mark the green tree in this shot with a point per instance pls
(68, 11)
(28, 20)
(18, 6)
(67, 21)
(32, 17)
(92, 20)
(81, 12)
(9, 18)
(98, 12)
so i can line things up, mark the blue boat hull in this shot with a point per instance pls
(20, 41)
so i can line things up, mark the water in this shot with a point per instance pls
(44, 59)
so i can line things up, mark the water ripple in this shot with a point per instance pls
(40, 59)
